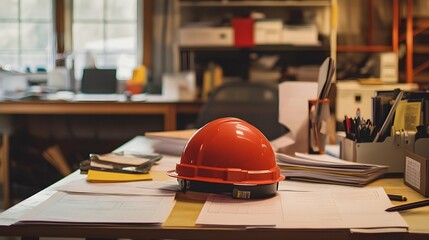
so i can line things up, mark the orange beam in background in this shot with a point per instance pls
(395, 26)
(360, 48)
(409, 42)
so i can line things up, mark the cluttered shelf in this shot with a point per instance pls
(260, 47)
(214, 32)
(309, 3)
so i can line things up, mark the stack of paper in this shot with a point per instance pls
(120, 167)
(170, 142)
(328, 169)
(100, 208)
(358, 209)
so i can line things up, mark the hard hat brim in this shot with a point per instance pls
(175, 174)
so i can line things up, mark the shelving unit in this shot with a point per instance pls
(373, 39)
(370, 46)
(226, 3)
(237, 59)
(408, 30)
(417, 48)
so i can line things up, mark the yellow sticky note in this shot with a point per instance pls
(104, 176)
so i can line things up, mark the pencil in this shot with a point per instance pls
(408, 206)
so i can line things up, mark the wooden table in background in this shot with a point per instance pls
(168, 109)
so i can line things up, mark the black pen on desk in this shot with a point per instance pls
(408, 206)
(396, 197)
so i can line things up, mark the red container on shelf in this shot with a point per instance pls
(243, 32)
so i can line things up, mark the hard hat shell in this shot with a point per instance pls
(228, 151)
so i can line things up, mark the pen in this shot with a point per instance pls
(408, 206)
(396, 197)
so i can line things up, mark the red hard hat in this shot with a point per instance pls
(229, 155)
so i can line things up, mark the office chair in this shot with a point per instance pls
(256, 103)
(98, 81)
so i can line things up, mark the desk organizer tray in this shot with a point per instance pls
(390, 152)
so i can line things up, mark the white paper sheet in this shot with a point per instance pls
(293, 112)
(358, 208)
(80, 208)
(300, 186)
(12, 215)
(138, 144)
(226, 211)
(147, 188)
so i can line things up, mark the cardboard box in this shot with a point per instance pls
(417, 173)
(268, 31)
(388, 67)
(206, 36)
(300, 35)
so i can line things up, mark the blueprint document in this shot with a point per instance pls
(226, 211)
(337, 209)
(82, 208)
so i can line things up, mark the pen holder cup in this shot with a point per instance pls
(318, 125)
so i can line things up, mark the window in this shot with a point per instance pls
(105, 35)
(26, 30)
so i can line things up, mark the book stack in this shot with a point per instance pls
(328, 169)
(170, 142)
(300, 34)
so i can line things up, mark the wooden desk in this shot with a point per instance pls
(168, 109)
(180, 224)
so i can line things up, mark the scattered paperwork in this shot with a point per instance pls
(119, 167)
(123, 159)
(358, 208)
(361, 208)
(227, 211)
(91, 208)
(123, 162)
(149, 188)
(328, 169)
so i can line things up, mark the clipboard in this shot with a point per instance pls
(388, 121)
(326, 73)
